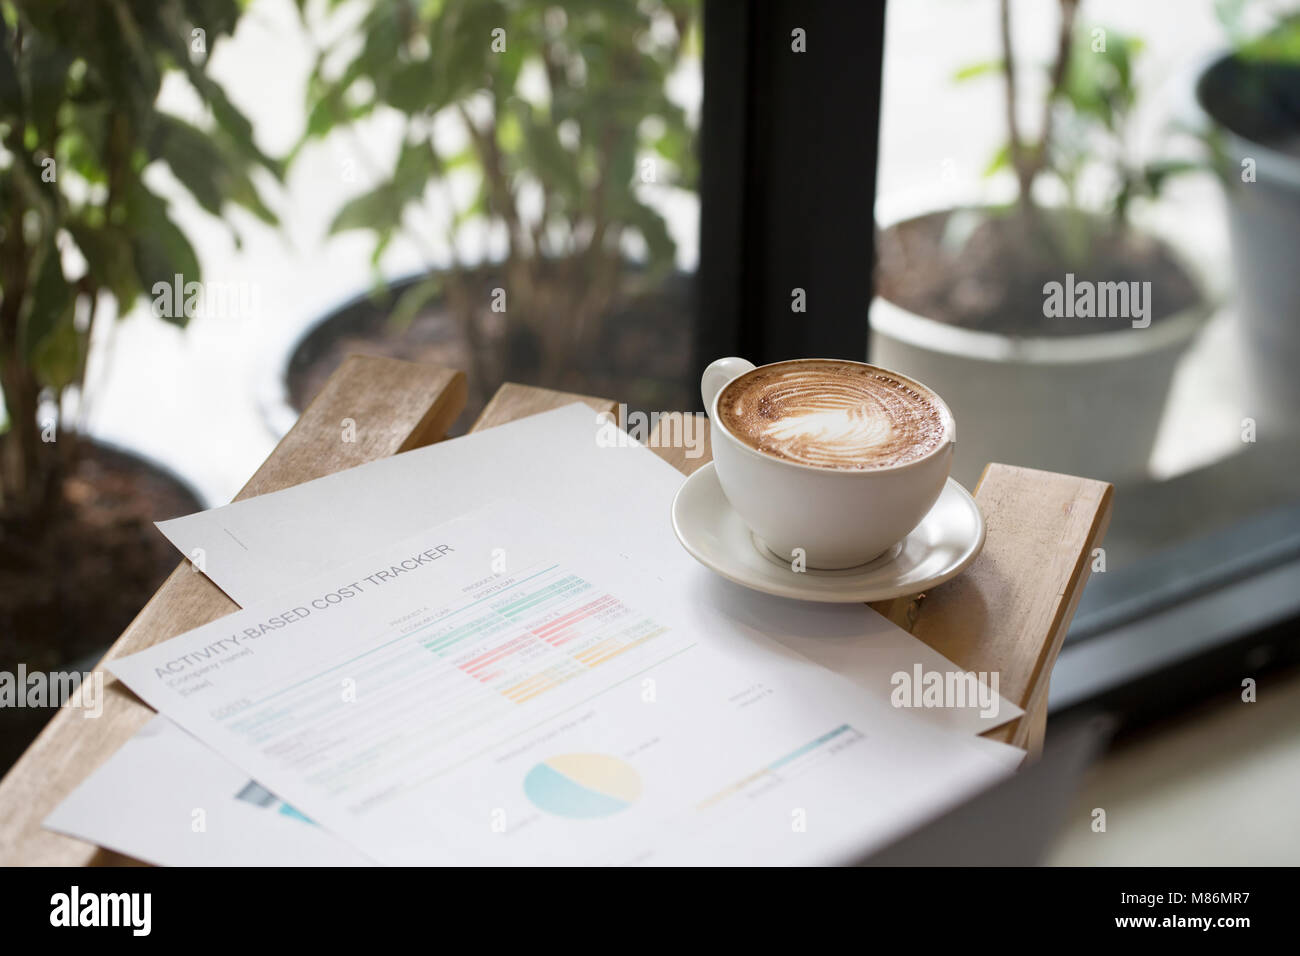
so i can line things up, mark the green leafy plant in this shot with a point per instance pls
(1259, 31)
(562, 110)
(80, 128)
(1085, 123)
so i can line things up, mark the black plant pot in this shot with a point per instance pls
(72, 583)
(643, 356)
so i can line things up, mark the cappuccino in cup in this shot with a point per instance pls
(832, 414)
(831, 463)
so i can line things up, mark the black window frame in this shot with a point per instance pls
(770, 222)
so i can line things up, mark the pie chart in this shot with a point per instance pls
(582, 786)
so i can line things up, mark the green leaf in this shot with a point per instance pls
(380, 209)
(1099, 83)
(412, 300)
(45, 71)
(57, 359)
(328, 109)
(660, 247)
(206, 167)
(82, 145)
(159, 249)
(677, 145)
(50, 339)
(51, 296)
(192, 159)
(1155, 174)
(1280, 44)
(408, 88)
(461, 55)
(973, 70)
(107, 251)
(417, 163)
(236, 127)
(1000, 160)
(11, 92)
(542, 154)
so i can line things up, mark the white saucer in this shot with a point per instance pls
(948, 539)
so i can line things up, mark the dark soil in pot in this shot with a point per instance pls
(1259, 101)
(71, 582)
(643, 356)
(970, 269)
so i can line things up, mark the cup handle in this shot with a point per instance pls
(718, 374)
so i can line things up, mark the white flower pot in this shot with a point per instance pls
(1085, 405)
(1263, 192)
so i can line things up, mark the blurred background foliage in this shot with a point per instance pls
(562, 120)
(1086, 116)
(81, 230)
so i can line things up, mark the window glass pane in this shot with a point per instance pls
(1136, 322)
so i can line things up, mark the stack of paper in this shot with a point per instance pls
(493, 650)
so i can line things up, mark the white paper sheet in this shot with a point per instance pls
(167, 799)
(565, 707)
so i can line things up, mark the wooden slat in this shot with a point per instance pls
(393, 406)
(519, 401)
(1009, 612)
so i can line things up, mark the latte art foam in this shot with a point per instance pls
(832, 415)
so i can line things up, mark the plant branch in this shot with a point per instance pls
(1060, 69)
(21, 392)
(1016, 146)
(1029, 161)
(489, 153)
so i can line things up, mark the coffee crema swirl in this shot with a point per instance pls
(830, 414)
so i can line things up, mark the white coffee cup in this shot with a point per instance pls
(832, 518)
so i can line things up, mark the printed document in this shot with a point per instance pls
(499, 688)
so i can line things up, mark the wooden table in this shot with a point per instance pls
(1007, 613)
